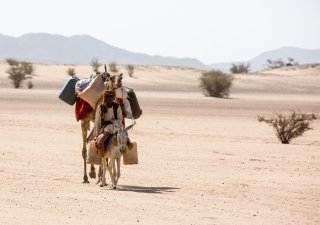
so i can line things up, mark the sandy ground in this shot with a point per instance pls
(201, 160)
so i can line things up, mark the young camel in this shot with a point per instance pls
(113, 82)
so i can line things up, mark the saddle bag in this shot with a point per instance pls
(93, 92)
(134, 104)
(68, 93)
(130, 157)
(93, 154)
(84, 83)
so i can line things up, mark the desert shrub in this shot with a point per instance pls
(19, 71)
(95, 64)
(30, 84)
(275, 64)
(130, 69)
(291, 62)
(289, 127)
(113, 67)
(71, 72)
(240, 68)
(215, 83)
(28, 67)
(12, 62)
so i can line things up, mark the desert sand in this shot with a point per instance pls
(202, 160)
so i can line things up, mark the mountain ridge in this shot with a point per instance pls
(80, 49)
(259, 62)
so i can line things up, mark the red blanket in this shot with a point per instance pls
(82, 109)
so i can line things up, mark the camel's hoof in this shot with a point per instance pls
(92, 174)
(85, 179)
(113, 187)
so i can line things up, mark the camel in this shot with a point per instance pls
(112, 83)
(115, 147)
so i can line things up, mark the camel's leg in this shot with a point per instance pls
(118, 171)
(84, 127)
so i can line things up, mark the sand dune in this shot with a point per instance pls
(202, 160)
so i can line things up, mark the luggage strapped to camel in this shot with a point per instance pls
(90, 91)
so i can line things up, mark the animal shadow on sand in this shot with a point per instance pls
(147, 190)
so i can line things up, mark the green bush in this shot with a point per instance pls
(275, 64)
(240, 68)
(215, 83)
(130, 69)
(71, 72)
(12, 62)
(113, 67)
(30, 84)
(95, 64)
(28, 67)
(19, 71)
(289, 127)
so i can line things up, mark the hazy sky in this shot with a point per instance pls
(209, 30)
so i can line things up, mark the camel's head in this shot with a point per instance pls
(114, 81)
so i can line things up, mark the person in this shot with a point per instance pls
(108, 116)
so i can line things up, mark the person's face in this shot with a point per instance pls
(109, 99)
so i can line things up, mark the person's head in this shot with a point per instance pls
(119, 80)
